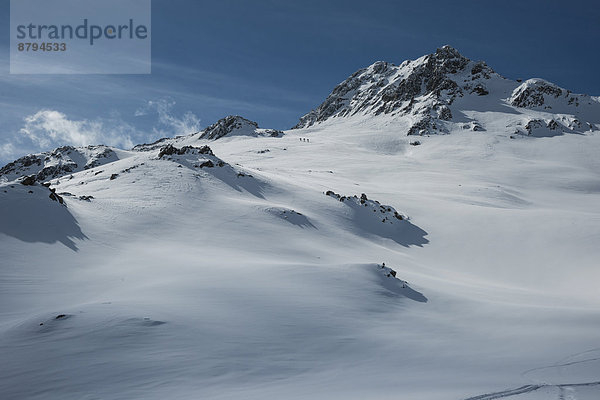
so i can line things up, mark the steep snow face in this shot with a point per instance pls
(60, 162)
(441, 92)
(43, 215)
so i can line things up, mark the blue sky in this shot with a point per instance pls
(273, 61)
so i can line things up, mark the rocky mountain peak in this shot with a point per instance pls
(447, 52)
(227, 125)
(535, 93)
(385, 88)
(431, 94)
(236, 125)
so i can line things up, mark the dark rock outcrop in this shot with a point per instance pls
(169, 150)
(56, 197)
(28, 180)
(207, 164)
(389, 213)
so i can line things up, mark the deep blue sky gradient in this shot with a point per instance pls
(273, 61)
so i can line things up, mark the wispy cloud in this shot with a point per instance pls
(7, 150)
(48, 128)
(169, 124)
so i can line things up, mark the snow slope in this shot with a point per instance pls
(244, 279)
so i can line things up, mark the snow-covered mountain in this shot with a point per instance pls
(236, 125)
(340, 259)
(445, 91)
(60, 162)
(230, 126)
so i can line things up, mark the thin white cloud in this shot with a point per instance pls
(50, 128)
(168, 123)
(47, 129)
(7, 150)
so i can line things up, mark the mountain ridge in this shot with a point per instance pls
(424, 92)
(438, 93)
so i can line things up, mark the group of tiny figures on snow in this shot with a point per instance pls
(304, 140)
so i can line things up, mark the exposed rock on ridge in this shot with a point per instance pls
(234, 124)
(425, 87)
(59, 162)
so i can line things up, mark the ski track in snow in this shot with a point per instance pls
(562, 387)
(561, 365)
(531, 388)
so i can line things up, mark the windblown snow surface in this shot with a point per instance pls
(247, 281)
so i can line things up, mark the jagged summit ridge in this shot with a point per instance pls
(236, 125)
(59, 162)
(438, 92)
(385, 88)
